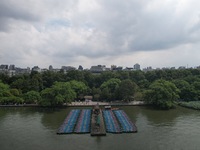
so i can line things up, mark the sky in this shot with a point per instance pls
(108, 32)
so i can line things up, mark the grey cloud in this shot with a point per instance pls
(66, 30)
(130, 23)
(10, 10)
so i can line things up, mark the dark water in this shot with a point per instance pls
(35, 129)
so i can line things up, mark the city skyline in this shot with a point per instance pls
(73, 33)
(136, 66)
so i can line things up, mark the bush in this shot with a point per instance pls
(191, 104)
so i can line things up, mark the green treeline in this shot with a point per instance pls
(160, 87)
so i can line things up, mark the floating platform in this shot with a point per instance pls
(97, 122)
(127, 126)
(70, 122)
(112, 125)
(83, 125)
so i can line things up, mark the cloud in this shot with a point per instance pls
(90, 31)
(11, 10)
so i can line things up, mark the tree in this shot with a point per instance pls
(127, 89)
(35, 83)
(105, 94)
(79, 87)
(196, 86)
(109, 88)
(59, 93)
(15, 92)
(162, 94)
(75, 75)
(137, 76)
(49, 77)
(20, 84)
(9, 96)
(32, 97)
(96, 92)
(4, 88)
(187, 91)
(111, 84)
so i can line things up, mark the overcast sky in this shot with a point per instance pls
(157, 33)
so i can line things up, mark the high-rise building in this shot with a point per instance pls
(12, 67)
(50, 67)
(136, 67)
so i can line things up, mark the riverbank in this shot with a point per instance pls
(192, 104)
(21, 105)
(83, 104)
(92, 103)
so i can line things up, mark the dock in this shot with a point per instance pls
(97, 122)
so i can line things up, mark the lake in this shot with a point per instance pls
(35, 129)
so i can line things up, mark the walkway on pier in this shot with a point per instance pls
(125, 123)
(83, 125)
(97, 125)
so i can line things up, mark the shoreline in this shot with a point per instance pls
(84, 104)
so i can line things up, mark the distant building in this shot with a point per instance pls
(19, 71)
(182, 67)
(113, 67)
(136, 67)
(4, 67)
(36, 68)
(67, 68)
(12, 67)
(50, 68)
(107, 69)
(165, 68)
(53, 69)
(148, 69)
(11, 73)
(98, 68)
(44, 70)
(128, 69)
(119, 68)
(80, 68)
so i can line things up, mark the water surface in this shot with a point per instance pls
(35, 129)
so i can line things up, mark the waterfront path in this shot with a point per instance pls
(92, 103)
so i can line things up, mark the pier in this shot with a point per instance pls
(97, 122)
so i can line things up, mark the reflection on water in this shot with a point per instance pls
(35, 128)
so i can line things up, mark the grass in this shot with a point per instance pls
(191, 104)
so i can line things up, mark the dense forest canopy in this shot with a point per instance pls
(55, 88)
